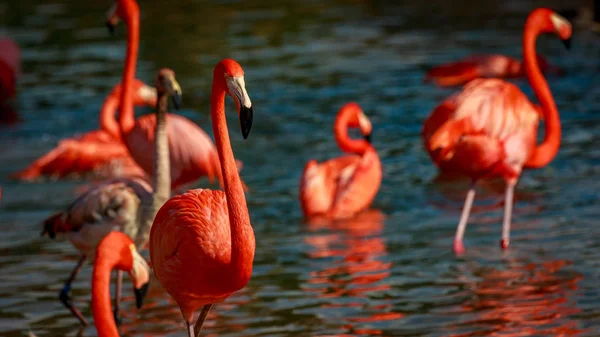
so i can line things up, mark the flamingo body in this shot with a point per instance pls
(99, 152)
(488, 128)
(476, 66)
(343, 186)
(193, 229)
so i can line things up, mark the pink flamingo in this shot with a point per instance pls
(115, 251)
(343, 186)
(192, 152)
(490, 128)
(202, 242)
(10, 70)
(476, 66)
(127, 205)
(100, 152)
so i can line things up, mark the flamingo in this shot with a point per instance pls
(476, 66)
(100, 151)
(115, 251)
(124, 204)
(490, 127)
(343, 186)
(10, 69)
(192, 152)
(202, 243)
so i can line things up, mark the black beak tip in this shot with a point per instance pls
(367, 138)
(176, 100)
(567, 43)
(111, 28)
(140, 294)
(246, 120)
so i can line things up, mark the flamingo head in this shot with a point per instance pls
(235, 86)
(562, 28)
(358, 119)
(121, 9)
(166, 84)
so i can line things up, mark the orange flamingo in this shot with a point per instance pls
(10, 69)
(202, 242)
(343, 186)
(490, 128)
(101, 152)
(115, 251)
(192, 152)
(127, 205)
(476, 66)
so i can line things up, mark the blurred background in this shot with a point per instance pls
(390, 272)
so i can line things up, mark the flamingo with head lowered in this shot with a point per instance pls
(477, 66)
(202, 243)
(127, 205)
(192, 152)
(344, 186)
(490, 127)
(99, 152)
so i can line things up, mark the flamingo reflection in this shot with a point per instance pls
(358, 271)
(524, 300)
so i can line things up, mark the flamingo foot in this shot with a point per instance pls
(504, 243)
(459, 248)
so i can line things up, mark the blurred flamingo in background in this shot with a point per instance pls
(476, 66)
(202, 243)
(127, 205)
(115, 251)
(192, 152)
(343, 186)
(100, 152)
(10, 70)
(490, 128)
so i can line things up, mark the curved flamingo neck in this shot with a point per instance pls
(242, 253)
(126, 113)
(101, 307)
(340, 130)
(547, 150)
(108, 122)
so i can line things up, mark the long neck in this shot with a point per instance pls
(544, 152)
(162, 169)
(347, 144)
(126, 114)
(101, 307)
(239, 218)
(108, 122)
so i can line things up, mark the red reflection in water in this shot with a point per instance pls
(525, 300)
(360, 271)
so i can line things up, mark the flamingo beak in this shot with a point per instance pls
(245, 120)
(567, 43)
(140, 293)
(176, 100)
(111, 28)
(367, 138)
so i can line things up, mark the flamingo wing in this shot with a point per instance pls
(114, 205)
(455, 73)
(491, 120)
(357, 185)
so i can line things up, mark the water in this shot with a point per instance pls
(390, 272)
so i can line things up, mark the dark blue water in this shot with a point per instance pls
(390, 272)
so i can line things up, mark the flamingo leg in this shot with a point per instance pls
(462, 224)
(64, 293)
(508, 203)
(201, 318)
(190, 329)
(118, 297)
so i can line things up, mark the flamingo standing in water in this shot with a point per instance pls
(343, 186)
(127, 205)
(192, 152)
(101, 152)
(490, 128)
(202, 242)
(115, 251)
(476, 66)
(10, 69)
